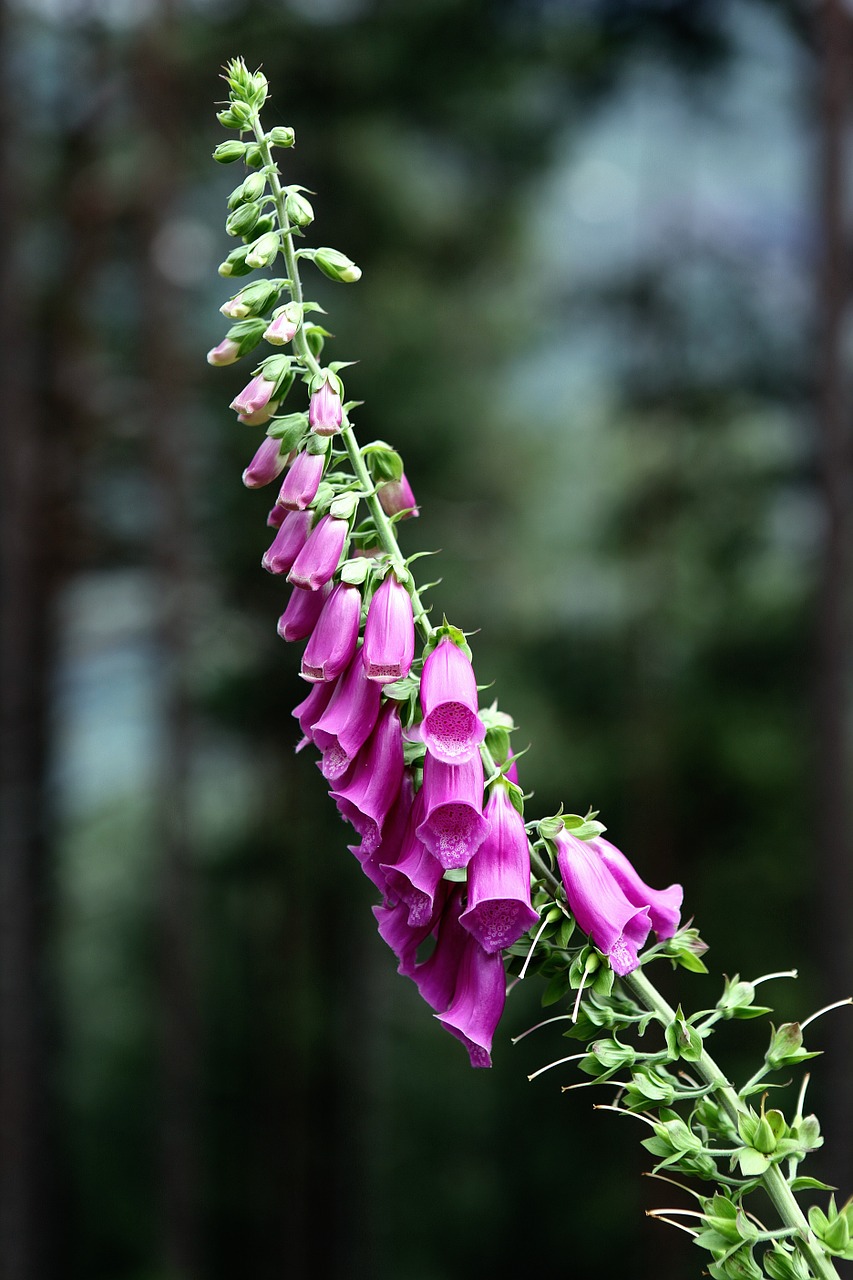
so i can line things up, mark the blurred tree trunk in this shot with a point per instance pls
(157, 86)
(25, 609)
(833, 616)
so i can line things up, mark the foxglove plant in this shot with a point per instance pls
(427, 779)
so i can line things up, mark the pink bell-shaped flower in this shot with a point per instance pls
(310, 709)
(255, 398)
(396, 498)
(499, 909)
(333, 641)
(302, 613)
(325, 411)
(227, 352)
(267, 464)
(415, 875)
(319, 558)
(451, 729)
(478, 1002)
(453, 827)
(616, 926)
(348, 721)
(302, 481)
(288, 542)
(366, 796)
(282, 328)
(389, 633)
(664, 905)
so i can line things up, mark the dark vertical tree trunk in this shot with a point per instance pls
(157, 85)
(833, 617)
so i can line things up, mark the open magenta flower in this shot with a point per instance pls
(266, 465)
(664, 905)
(310, 709)
(319, 558)
(415, 875)
(617, 926)
(403, 938)
(393, 831)
(325, 411)
(288, 542)
(451, 728)
(478, 1002)
(453, 827)
(348, 721)
(255, 398)
(389, 633)
(366, 796)
(302, 481)
(436, 976)
(499, 909)
(302, 613)
(396, 498)
(334, 638)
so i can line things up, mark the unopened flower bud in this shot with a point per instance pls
(253, 187)
(235, 264)
(251, 300)
(284, 326)
(267, 464)
(325, 411)
(298, 209)
(228, 152)
(242, 221)
(396, 498)
(281, 136)
(254, 398)
(225, 353)
(263, 251)
(254, 156)
(337, 266)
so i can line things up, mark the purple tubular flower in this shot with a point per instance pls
(302, 613)
(396, 498)
(319, 558)
(366, 797)
(302, 481)
(333, 641)
(268, 462)
(348, 720)
(277, 517)
(393, 831)
(394, 928)
(451, 729)
(254, 398)
(310, 709)
(415, 875)
(663, 905)
(499, 909)
(615, 925)
(478, 1002)
(389, 633)
(281, 329)
(325, 411)
(437, 976)
(288, 542)
(453, 827)
(260, 416)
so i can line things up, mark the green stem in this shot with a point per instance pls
(384, 526)
(774, 1183)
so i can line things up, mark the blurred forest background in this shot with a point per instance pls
(604, 316)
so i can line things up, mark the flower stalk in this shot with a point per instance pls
(428, 781)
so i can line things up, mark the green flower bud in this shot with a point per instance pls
(337, 266)
(242, 221)
(228, 152)
(229, 120)
(263, 251)
(299, 210)
(281, 136)
(235, 264)
(254, 186)
(247, 334)
(254, 156)
(242, 113)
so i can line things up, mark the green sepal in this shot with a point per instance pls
(564, 932)
(786, 1047)
(448, 632)
(684, 950)
(289, 430)
(243, 220)
(344, 506)
(235, 264)
(752, 1163)
(810, 1184)
(254, 156)
(263, 251)
(316, 445)
(383, 462)
(683, 1040)
(781, 1265)
(736, 1000)
(354, 572)
(583, 828)
(247, 334)
(456, 875)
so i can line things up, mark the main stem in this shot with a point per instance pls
(384, 526)
(773, 1181)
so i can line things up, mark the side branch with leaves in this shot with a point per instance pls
(473, 898)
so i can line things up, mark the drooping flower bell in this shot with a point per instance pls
(288, 542)
(436, 976)
(365, 797)
(267, 464)
(334, 638)
(389, 633)
(325, 411)
(255, 399)
(451, 728)
(499, 909)
(319, 558)
(403, 938)
(310, 709)
(284, 326)
(616, 926)
(226, 352)
(415, 875)
(393, 831)
(302, 481)
(453, 827)
(664, 905)
(302, 613)
(348, 721)
(478, 1002)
